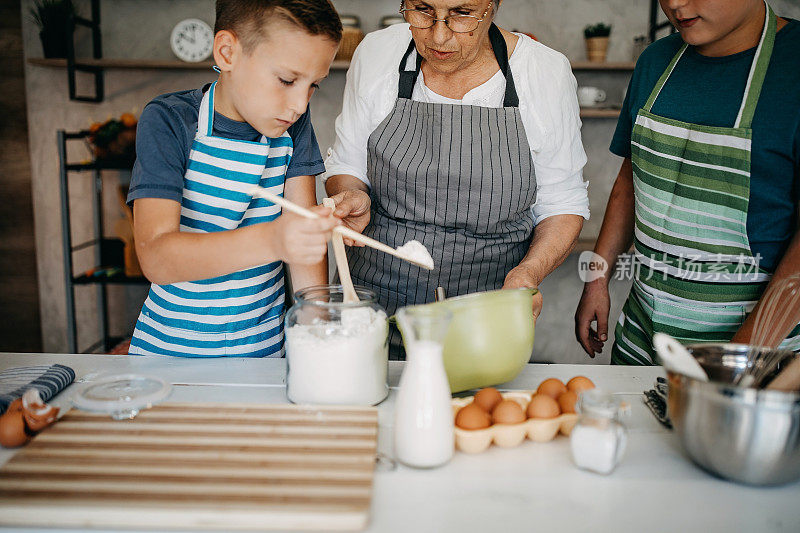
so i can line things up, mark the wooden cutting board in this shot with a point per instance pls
(197, 466)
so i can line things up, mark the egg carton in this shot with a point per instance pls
(510, 435)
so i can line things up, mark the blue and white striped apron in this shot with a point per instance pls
(238, 314)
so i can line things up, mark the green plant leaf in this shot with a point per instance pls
(597, 30)
(48, 14)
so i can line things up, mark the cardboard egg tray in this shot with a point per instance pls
(510, 435)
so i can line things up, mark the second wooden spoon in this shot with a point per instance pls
(340, 254)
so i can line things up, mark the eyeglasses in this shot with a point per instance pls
(456, 23)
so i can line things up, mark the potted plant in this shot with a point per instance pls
(597, 41)
(113, 142)
(54, 18)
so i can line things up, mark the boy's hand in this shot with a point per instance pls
(303, 241)
(594, 306)
(352, 207)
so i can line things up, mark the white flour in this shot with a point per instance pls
(597, 447)
(332, 363)
(416, 250)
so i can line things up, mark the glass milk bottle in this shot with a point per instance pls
(423, 421)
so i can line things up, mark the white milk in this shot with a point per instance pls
(332, 363)
(423, 421)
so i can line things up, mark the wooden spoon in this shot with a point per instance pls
(339, 253)
(342, 230)
(789, 378)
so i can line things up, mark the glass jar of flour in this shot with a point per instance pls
(336, 352)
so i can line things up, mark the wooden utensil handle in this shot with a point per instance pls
(303, 212)
(342, 230)
(340, 255)
(283, 202)
(788, 379)
(372, 243)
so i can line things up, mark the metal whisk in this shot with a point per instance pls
(776, 317)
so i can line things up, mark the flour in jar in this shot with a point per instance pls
(341, 362)
(417, 252)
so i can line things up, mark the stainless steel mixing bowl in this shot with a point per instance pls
(742, 434)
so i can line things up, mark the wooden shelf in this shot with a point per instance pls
(589, 112)
(122, 64)
(589, 65)
(116, 279)
(342, 64)
(143, 64)
(155, 64)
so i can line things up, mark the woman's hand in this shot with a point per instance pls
(521, 277)
(594, 306)
(353, 208)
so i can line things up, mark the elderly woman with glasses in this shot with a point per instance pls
(465, 137)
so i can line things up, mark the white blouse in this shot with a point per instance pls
(548, 106)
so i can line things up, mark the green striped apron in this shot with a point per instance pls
(696, 277)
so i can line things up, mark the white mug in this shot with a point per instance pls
(590, 96)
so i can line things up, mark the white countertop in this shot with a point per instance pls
(533, 486)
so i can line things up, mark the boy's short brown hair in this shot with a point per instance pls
(249, 19)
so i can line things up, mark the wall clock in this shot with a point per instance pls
(192, 40)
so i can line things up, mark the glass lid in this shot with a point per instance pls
(121, 396)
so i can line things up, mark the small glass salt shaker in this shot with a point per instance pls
(599, 438)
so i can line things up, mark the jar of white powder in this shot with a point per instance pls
(336, 352)
(599, 438)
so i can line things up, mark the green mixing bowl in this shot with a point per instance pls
(490, 339)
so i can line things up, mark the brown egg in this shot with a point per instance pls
(472, 417)
(543, 406)
(16, 405)
(508, 412)
(567, 401)
(579, 383)
(38, 419)
(487, 399)
(12, 430)
(552, 387)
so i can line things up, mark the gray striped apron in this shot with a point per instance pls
(459, 179)
(238, 314)
(696, 277)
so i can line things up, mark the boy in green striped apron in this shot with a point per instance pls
(708, 191)
(216, 255)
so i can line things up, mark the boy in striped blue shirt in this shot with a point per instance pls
(213, 253)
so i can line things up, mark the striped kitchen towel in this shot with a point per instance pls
(48, 379)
